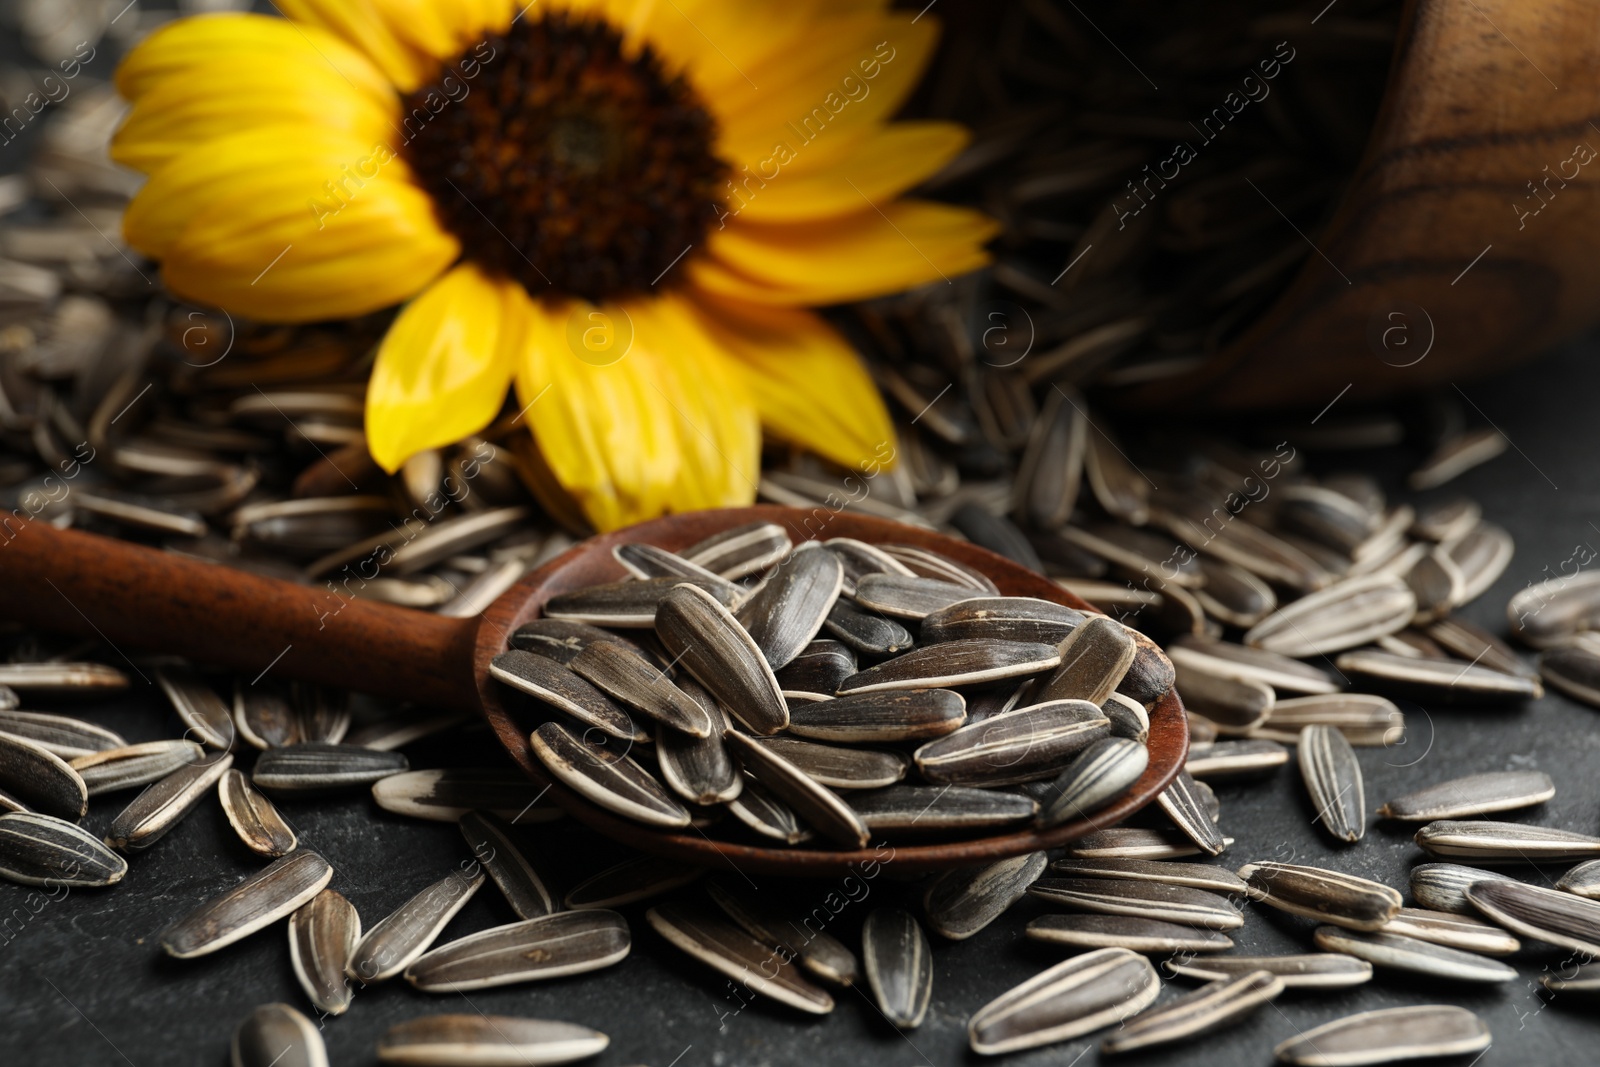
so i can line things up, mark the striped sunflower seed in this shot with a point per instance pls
(819, 806)
(838, 767)
(818, 951)
(1574, 669)
(64, 678)
(260, 900)
(41, 779)
(1446, 680)
(1136, 843)
(1443, 886)
(1235, 705)
(1184, 803)
(865, 631)
(629, 678)
(1075, 997)
(1234, 596)
(62, 735)
(819, 668)
(1482, 555)
(1327, 896)
(263, 717)
(1504, 842)
(1388, 1034)
(1017, 746)
(1005, 618)
(445, 795)
(611, 779)
(1342, 616)
(1584, 880)
(1094, 659)
(1234, 759)
(43, 850)
(318, 768)
(1223, 659)
(700, 770)
(1138, 552)
(961, 902)
(198, 705)
(323, 934)
(477, 1040)
(708, 641)
(253, 817)
(567, 942)
(1150, 900)
(1549, 915)
(878, 718)
(1332, 776)
(1364, 719)
(558, 639)
(971, 662)
(1148, 937)
(628, 605)
(1212, 1007)
(1150, 676)
(162, 805)
(629, 882)
(1195, 875)
(1448, 520)
(1320, 970)
(757, 808)
(322, 715)
(1475, 794)
(404, 934)
(1103, 771)
(930, 564)
(648, 561)
(1046, 485)
(1547, 614)
(556, 684)
(860, 559)
(1408, 954)
(135, 765)
(1452, 931)
(1127, 716)
(741, 551)
(276, 1035)
(934, 809)
(493, 846)
(787, 612)
(909, 597)
(1583, 979)
(898, 963)
(705, 933)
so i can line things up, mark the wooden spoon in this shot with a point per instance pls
(142, 600)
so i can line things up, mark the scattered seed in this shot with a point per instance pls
(961, 902)
(1214, 1006)
(1453, 931)
(404, 934)
(255, 903)
(1321, 970)
(1333, 778)
(198, 705)
(1103, 771)
(61, 735)
(1148, 937)
(323, 934)
(1234, 759)
(1584, 880)
(43, 850)
(1418, 1032)
(1549, 915)
(1327, 896)
(275, 1035)
(41, 779)
(1475, 794)
(1075, 997)
(898, 963)
(319, 768)
(493, 846)
(1184, 804)
(629, 882)
(568, 942)
(705, 933)
(477, 1040)
(253, 816)
(1148, 900)
(1136, 843)
(162, 805)
(1504, 842)
(445, 795)
(818, 951)
(1342, 616)
(1443, 886)
(1413, 956)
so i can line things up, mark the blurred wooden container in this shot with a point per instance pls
(1430, 272)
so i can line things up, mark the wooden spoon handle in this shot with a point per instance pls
(141, 599)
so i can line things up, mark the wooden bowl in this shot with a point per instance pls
(1428, 273)
(592, 562)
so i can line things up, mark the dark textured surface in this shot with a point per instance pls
(83, 980)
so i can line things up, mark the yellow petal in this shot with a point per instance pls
(894, 159)
(879, 250)
(636, 411)
(806, 380)
(388, 32)
(303, 255)
(444, 366)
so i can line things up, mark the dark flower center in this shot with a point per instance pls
(564, 163)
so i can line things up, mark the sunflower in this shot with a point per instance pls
(623, 208)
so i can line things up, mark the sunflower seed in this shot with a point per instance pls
(630, 881)
(43, 850)
(1326, 516)
(608, 778)
(162, 805)
(785, 613)
(1321, 970)
(1545, 614)
(959, 903)
(708, 641)
(1213, 1006)
(1327, 896)
(996, 533)
(628, 677)
(818, 951)
(1223, 659)
(1128, 718)
(1017, 746)
(1046, 485)
(700, 770)
(1446, 680)
(1583, 979)
(567, 942)
(1583, 880)
(1136, 843)
(321, 768)
(1452, 931)
(705, 933)
(1574, 670)
(1482, 556)
(62, 678)
(257, 902)
(42, 780)
(631, 604)
(819, 668)
(493, 846)
(1364, 719)
(648, 561)
(263, 717)
(1476, 794)
(1151, 675)
(1233, 595)
(1103, 771)
(860, 559)
(405, 727)
(1332, 777)
(840, 768)
(558, 639)
(1138, 552)
(1006, 618)
(1094, 659)
(65, 737)
(253, 816)
(757, 808)
(198, 705)
(876, 718)
(1386, 1035)
(1408, 954)
(930, 564)
(741, 551)
(1146, 936)
(866, 632)
(405, 934)
(952, 663)
(1232, 759)
(275, 1035)
(1152, 900)
(1075, 997)
(1183, 804)
(322, 714)
(446, 795)
(1104, 594)
(1194, 875)
(939, 808)
(816, 804)
(898, 963)
(557, 685)
(1234, 705)
(1342, 616)
(322, 935)
(487, 1041)
(1504, 842)
(1549, 915)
